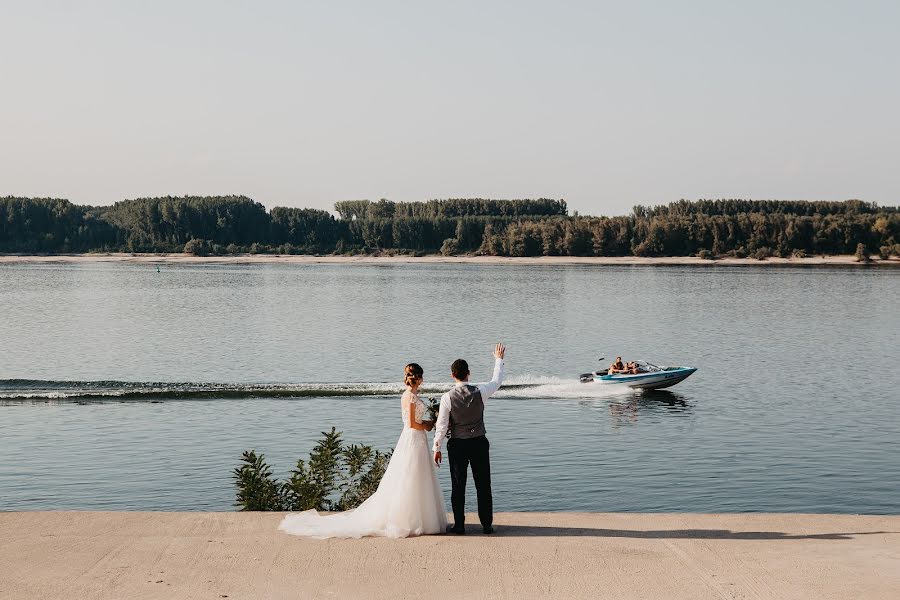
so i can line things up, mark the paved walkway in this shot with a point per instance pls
(129, 555)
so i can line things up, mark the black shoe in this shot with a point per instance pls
(488, 530)
(456, 530)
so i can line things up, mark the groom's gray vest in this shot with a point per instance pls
(466, 412)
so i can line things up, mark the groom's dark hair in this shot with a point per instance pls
(459, 369)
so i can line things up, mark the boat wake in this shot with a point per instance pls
(528, 386)
(38, 390)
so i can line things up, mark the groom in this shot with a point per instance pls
(462, 413)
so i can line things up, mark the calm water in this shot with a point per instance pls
(795, 407)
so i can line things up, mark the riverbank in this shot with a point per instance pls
(179, 258)
(49, 555)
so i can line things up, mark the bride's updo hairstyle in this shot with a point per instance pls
(412, 373)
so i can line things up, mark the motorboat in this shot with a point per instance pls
(648, 376)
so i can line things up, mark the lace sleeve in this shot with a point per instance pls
(405, 399)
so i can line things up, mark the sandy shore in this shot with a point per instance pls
(74, 555)
(483, 260)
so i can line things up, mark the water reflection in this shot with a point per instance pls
(665, 398)
(659, 403)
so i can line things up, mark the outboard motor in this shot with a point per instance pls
(589, 377)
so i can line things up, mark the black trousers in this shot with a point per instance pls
(475, 452)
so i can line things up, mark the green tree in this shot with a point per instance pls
(526, 227)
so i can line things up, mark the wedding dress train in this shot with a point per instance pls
(408, 500)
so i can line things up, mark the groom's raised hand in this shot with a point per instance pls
(437, 458)
(500, 351)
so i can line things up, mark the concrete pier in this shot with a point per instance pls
(131, 555)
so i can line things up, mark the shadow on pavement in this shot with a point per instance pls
(700, 534)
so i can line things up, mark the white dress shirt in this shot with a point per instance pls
(487, 390)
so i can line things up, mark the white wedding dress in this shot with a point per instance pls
(408, 500)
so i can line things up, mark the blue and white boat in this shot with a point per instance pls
(648, 377)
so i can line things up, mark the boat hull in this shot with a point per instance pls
(656, 380)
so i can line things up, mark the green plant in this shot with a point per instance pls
(706, 255)
(862, 254)
(336, 477)
(450, 247)
(196, 247)
(762, 253)
(365, 468)
(257, 490)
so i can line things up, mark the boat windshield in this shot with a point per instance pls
(647, 367)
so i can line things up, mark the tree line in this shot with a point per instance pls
(452, 208)
(530, 227)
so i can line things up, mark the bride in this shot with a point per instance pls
(408, 500)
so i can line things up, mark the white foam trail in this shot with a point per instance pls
(520, 386)
(536, 386)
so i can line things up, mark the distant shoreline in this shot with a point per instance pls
(180, 258)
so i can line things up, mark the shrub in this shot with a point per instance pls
(762, 253)
(798, 254)
(862, 254)
(884, 252)
(706, 255)
(257, 490)
(336, 477)
(450, 247)
(364, 472)
(196, 247)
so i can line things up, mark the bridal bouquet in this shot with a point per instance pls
(433, 407)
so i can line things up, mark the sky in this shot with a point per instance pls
(604, 104)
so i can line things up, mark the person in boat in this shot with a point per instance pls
(631, 368)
